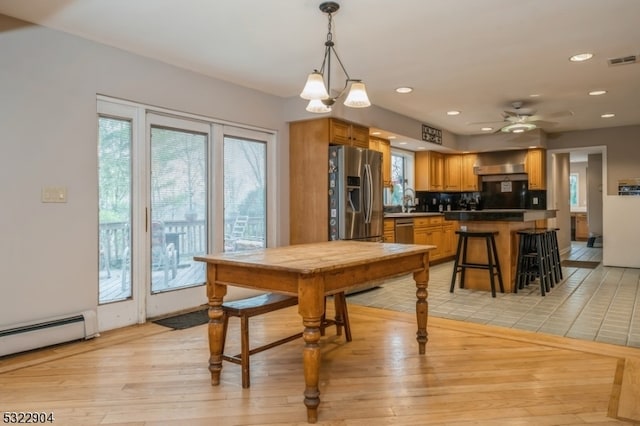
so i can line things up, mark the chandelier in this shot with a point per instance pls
(317, 92)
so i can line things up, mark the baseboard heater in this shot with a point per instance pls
(51, 331)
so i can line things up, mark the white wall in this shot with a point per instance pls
(594, 193)
(558, 198)
(622, 153)
(48, 86)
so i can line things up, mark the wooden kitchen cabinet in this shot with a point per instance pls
(468, 179)
(309, 142)
(383, 146)
(308, 181)
(389, 231)
(430, 235)
(535, 167)
(429, 173)
(345, 133)
(434, 230)
(452, 172)
(449, 240)
(582, 227)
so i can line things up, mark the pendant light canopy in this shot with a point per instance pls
(317, 92)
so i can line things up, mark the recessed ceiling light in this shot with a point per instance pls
(534, 95)
(581, 57)
(402, 143)
(597, 92)
(487, 129)
(453, 112)
(404, 89)
(608, 115)
(421, 147)
(375, 133)
(392, 137)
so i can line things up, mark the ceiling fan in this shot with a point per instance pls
(521, 119)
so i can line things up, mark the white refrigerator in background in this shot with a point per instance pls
(355, 194)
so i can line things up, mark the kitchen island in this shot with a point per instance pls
(507, 222)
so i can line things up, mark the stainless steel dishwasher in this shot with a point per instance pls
(404, 231)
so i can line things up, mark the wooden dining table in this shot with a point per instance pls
(311, 272)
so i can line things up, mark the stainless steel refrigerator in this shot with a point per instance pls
(355, 194)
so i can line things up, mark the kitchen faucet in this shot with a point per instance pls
(407, 204)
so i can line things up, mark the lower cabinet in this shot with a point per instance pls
(449, 241)
(389, 231)
(434, 230)
(582, 227)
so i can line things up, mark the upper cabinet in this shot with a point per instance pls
(452, 172)
(445, 172)
(536, 168)
(468, 180)
(429, 173)
(383, 146)
(345, 133)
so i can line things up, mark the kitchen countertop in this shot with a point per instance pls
(505, 215)
(412, 214)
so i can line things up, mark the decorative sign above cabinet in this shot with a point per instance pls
(430, 134)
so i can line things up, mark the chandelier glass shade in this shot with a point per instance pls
(317, 92)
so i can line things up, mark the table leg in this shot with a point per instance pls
(215, 295)
(422, 307)
(311, 308)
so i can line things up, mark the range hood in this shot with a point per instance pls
(500, 163)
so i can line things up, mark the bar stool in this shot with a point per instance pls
(534, 260)
(492, 265)
(554, 254)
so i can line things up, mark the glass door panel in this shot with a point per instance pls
(178, 216)
(245, 196)
(114, 209)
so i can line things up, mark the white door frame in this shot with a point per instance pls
(142, 306)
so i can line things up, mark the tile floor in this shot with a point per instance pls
(601, 304)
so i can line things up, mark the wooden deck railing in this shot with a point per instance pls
(190, 237)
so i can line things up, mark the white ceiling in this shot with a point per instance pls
(476, 56)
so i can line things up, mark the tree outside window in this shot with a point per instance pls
(573, 189)
(398, 179)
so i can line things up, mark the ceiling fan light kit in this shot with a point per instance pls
(518, 127)
(316, 92)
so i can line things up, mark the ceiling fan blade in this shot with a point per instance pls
(559, 114)
(543, 123)
(477, 123)
(509, 114)
(533, 118)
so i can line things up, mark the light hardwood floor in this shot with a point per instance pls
(472, 374)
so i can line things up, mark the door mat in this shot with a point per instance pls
(187, 320)
(580, 264)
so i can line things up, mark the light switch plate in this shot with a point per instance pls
(54, 194)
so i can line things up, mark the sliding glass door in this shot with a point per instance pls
(245, 193)
(177, 225)
(171, 188)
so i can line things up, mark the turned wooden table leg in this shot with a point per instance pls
(422, 307)
(215, 295)
(311, 359)
(311, 308)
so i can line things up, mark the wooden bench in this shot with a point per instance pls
(257, 305)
